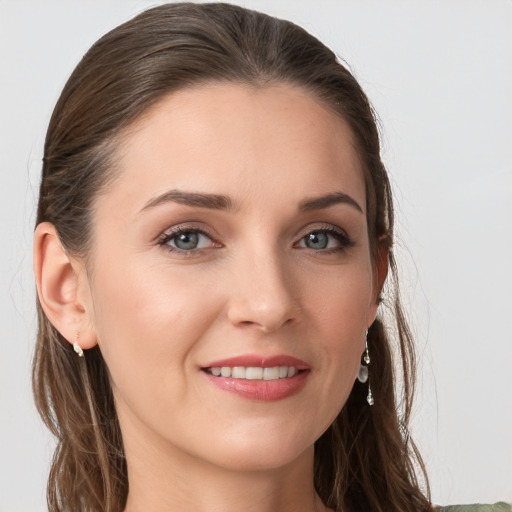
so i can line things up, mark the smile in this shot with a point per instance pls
(253, 372)
(258, 378)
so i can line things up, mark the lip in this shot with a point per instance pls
(260, 390)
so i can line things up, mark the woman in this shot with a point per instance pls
(214, 231)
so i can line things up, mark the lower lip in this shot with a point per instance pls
(261, 390)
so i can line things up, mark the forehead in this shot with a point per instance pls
(277, 141)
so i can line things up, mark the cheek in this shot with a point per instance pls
(341, 303)
(338, 308)
(148, 319)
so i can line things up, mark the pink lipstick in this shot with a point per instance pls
(259, 378)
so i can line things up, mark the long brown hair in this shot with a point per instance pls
(366, 460)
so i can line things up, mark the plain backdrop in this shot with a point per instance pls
(439, 74)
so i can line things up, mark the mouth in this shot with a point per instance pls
(259, 378)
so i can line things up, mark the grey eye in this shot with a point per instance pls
(317, 240)
(186, 240)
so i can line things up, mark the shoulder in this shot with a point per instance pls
(497, 507)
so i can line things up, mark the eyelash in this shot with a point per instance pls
(341, 237)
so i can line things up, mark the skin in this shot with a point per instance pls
(253, 286)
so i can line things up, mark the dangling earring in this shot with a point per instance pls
(77, 347)
(366, 353)
(363, 374)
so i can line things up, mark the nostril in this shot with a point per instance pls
(266, 328)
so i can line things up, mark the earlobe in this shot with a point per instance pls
(57, 280)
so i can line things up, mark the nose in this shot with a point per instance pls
(263, 295)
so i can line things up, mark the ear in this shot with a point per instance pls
(381, 265)
(62, 287)
(380, 272)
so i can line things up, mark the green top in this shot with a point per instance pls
(497, 507)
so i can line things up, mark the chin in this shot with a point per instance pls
(265, 449)
(258, 460)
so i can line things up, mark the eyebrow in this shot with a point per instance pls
(319, 203)
(212, 201)
(222, 202)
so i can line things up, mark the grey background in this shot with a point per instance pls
(439, 74)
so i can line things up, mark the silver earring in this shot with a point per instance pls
(363, 374)
(369, 398)
(77, 347)
(366, 353)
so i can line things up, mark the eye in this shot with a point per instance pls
(186, 240)
(325, 240)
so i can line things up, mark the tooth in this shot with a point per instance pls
(271, 373)
(291, 371)
(225, 371)
(283, 372)
(254, 373)
(238, 372)
(215, 371)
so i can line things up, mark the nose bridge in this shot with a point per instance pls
(265, 287)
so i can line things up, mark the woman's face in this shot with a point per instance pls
(234, 236)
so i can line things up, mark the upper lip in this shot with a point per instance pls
(260, 361)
